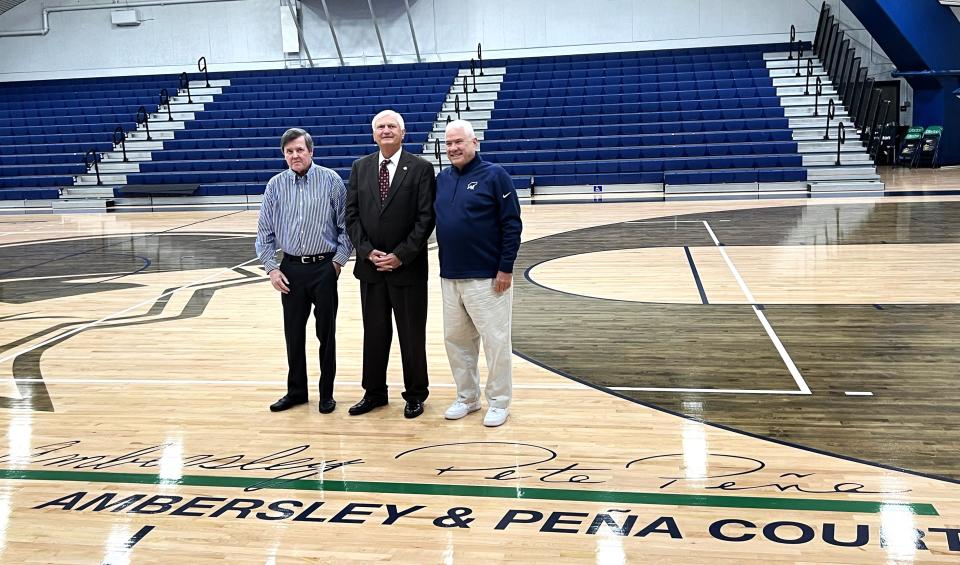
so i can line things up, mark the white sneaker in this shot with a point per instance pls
(459, 409)
(495, 417)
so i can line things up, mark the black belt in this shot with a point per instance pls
(308, 258)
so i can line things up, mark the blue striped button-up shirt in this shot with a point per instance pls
(303, 215)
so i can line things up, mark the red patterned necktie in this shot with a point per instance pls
(384, 180)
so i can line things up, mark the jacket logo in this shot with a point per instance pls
(471, 186)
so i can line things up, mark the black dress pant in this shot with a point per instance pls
(409, 306)
(311, 285)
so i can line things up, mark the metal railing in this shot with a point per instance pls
(437, 153)
(143, 118)
(202, 67)
(841, 139)
(185, 85)
(92, 160)
(831, 113)
(120, 138)
(165, 101)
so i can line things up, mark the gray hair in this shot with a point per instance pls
(373, 123)
(466, 126)
(294, 134)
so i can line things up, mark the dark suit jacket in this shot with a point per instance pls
(401, 226)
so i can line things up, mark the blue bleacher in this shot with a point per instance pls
(693, 116)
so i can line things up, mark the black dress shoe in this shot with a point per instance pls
(327, 406)
(413, 409)
(286, 403)
(365, 405)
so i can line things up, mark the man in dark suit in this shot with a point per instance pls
(389, 218)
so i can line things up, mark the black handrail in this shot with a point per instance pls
(473, 73)
(806, 90)
(437, 153)
(92, 154)
(202, 67)
(793, 36)
(841, 139)
(144, 118)
(816, 97)
(456, 105)
(533, 186)
(480, 58)
(185, 84)
(466, 93)
(120, 138)
(799, 57)
(165, 101)
(831, 112)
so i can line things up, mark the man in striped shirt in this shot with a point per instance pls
(303, 214)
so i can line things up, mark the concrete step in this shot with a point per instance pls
(141, 144)
(790, 101)
(801, 89)
(852, 172)
(774, 55)
(484, 96)
(816, 134)
(132, 156)
(475, 118)
(184, 107)
(213, 83)
(121, 167)
(792, 64)
(828, 159)
(792, 73)
(161, 125)
(487, 72)
(439, 134)
(475, 105)
(808, 111)
(90, 179)
(826, 83)
(194, 92)
(844, 186)
(818, 121)
(74, 192)
(201, 99)
(177, 116)
(851, 145)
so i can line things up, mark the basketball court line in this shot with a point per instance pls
(223, 382)
(89, 325)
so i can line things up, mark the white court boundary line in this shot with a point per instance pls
(802, 388)
(89, 325)
(276, 382)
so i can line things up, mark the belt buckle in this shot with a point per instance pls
(306, 259)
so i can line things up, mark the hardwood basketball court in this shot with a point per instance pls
(722, 381)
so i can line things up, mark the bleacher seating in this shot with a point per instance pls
(701, 116)
(708, 115)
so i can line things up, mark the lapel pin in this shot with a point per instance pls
(404, 168)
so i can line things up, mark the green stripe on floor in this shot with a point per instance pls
(514, 493)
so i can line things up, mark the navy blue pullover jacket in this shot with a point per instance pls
(478, 221)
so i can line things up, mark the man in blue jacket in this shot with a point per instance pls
(478, 231)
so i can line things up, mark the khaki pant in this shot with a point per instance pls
(473, 311)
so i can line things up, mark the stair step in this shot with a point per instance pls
(439, 134)
(840, 112)
(73, 192)
(482, 96)
(121, 167)
(476, 119)
(803, 100)
(183, 107)
(201, 99)
(144, 145)
(817, 122)
(853, 172)
(819, 146)
(850, 158)
(177, 116)
(132, 156)
(801, 89)
(213, 83)
(487, 72)
(792, 64)
(842, 186)
(826, 83)
(475, 105)
(161, 125)
(774, 55)
(194, 92)
(91, 179)
(792, 73)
